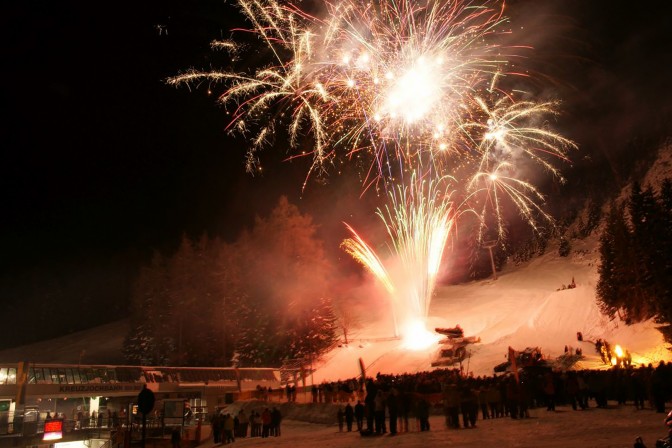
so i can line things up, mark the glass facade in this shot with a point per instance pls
(69, 374)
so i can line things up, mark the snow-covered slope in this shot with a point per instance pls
(524, 307)
(98, 345)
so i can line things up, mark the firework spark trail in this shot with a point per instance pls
(358, 249)
(362, 252)
(418, 221)
(488, 185)
(509, 127)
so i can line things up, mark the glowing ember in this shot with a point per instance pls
(417, 337)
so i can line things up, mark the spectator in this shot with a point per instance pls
(340, 418)
(423, 413)
(175, 438)
(349, 416)
(359, 415)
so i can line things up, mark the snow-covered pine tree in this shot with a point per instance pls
(614, 244)
(257, 339)
(665, 260)
(565, 247)
(284, 271)
(313, 332)
(149, 340)
(645, 229)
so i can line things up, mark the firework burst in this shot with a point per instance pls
(407, 85)
(411, 87)
(388, 78)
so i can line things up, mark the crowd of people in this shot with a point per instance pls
(391, 404)
(226, 427)
(267, 393)
(390, 401)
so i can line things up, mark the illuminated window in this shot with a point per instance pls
(38, 375)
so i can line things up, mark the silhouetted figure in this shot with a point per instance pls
(349, 416)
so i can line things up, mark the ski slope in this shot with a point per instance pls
(524, 307)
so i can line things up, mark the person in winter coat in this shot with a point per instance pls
(482, 393)
(255, 423)
(276, 419)
(494, 398)
(217, 429)
(423, 413)
(349, 416)
(340, 418)
(228, 426)
(265, 423)
(451, 402)
(359, 415)
(549, 391)
(513, 397)
(379, 412)
(469, 404)
(392, 409)
(243, 422)
(175, 438)
(572, 389)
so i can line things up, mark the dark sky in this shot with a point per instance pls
(101, 159)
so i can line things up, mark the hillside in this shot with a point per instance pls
(98, 345)
(521, 308)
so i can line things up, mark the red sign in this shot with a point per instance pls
(53, 429)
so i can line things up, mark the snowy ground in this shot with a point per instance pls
(521, 308)
(604, 428)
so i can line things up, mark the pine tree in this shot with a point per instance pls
(203, 289)
(663, 260)
(643, 215)
(313, 331)
(228, 302)
(259, 299)
(284, 272)
(607, 284)
(150, 339)
(636, 267)
(593, 216)
(616, 282)
(257, 341)
(565, 247)
(182, 296)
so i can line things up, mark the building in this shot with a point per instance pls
(95, 400)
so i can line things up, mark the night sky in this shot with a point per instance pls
(102, 161)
